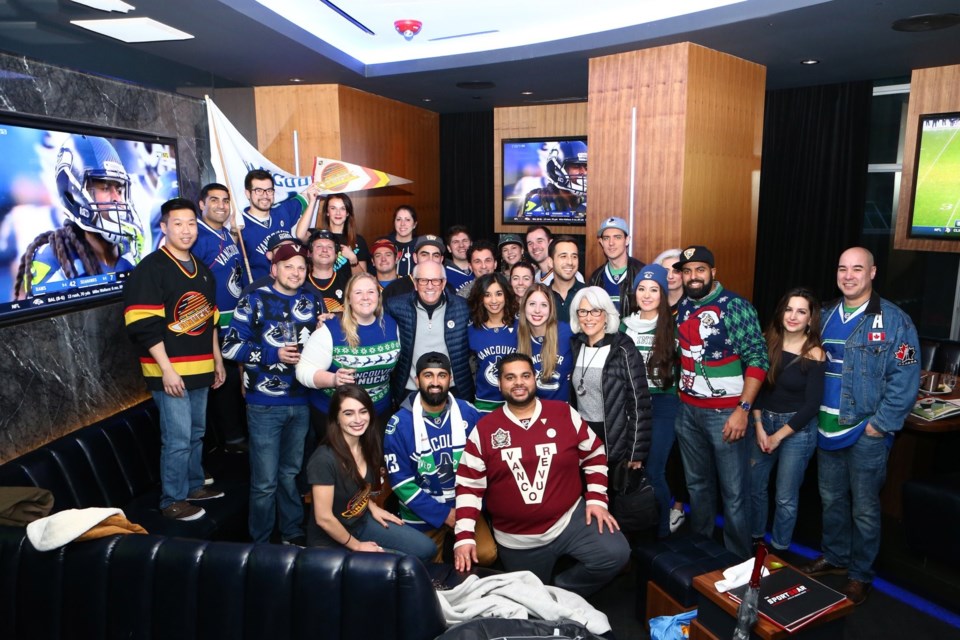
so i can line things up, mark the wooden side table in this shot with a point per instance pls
(717, 615)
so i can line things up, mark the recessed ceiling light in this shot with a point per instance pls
(809, 61)
(133, 29)
(526, 93)
(107, 5)
(428, 99)
(296, 79)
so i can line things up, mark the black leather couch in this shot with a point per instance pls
(116, 463)
(148, 586)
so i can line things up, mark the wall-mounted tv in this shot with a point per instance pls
(545, 181)
(79, 208)
(935, 206)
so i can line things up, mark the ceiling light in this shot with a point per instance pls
(809, 61)
(107, 5)
(133, 29)
(526, 93)
(428, 99)
(296, 79)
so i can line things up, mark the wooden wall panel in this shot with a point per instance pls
(399, 139)
(569, 119)
(311, 110)
(652, 82)
(338, 122)
(699, 123)
(933, 90)
(722, 171)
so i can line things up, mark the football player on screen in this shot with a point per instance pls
(565, 168)
(101, 232)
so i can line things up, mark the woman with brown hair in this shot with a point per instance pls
(492, 334)
(338, 219)
(345, 473)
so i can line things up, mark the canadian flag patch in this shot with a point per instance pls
(876, 336)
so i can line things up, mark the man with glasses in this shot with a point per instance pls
(430, 319)
(428, 249)
(263, 221)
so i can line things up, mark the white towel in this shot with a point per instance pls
(517, 594)
(737, 575)
(57, 530)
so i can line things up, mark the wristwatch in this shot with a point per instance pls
(744, 405)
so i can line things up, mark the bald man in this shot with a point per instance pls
(871, 383)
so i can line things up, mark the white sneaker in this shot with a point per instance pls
(677, 516)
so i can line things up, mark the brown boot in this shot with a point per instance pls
(820, 567)
(856, 591)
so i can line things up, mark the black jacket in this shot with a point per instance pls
(628, 301)
(626, 398)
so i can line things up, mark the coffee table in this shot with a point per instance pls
(717, 615)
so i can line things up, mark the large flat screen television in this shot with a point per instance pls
(79, 208)
(545, 181)
(935, 206)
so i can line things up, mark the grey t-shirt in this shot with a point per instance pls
(350, 501)
(589, 369)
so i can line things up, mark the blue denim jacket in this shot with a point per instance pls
(881, 370)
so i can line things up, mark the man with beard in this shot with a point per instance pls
(422, 446)
(269, 327)
(542, 475)
(216, 248)
(723, 362)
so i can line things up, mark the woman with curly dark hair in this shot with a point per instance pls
(345, 473)
(492, 334)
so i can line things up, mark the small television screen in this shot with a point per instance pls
(79, 208)
(545, 181)
(936, 183)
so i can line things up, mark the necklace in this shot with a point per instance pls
(583, 370)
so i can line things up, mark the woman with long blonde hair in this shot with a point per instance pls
(547, 341)
(361, 347)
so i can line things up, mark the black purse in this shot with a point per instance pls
(632, 501)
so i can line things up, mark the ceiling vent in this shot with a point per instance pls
(928, 22)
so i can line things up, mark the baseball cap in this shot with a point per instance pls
(383, 243)
(509, 238)
(321, 234)
(287, 251)
(431, 241)
(433, 360)
(694, 253)
(613, 222)
(283, 236)
(652, 272)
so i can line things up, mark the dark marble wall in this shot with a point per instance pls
(61, 373)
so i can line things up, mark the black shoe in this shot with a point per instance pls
(241, 446)
(298, 541)
(856, 591)
(820, 567)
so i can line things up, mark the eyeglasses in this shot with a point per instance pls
(583, 313)
(436, 282)
(257, 191)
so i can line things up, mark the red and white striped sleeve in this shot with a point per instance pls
(593, 460)
(471, 486)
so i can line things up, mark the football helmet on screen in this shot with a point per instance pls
(82, 161)
(562, 159)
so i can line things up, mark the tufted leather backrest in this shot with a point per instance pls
(145, 586)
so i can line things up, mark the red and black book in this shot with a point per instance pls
(791, 599)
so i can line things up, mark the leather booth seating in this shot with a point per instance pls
(936, 540)
(116, 463)
(149, 586)
(666, 569)
(939, 355)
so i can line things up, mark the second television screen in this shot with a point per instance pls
(545, 181)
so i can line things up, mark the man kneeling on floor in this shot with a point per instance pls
(524, 461)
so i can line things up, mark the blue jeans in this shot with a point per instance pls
(850, 483)
(665, 407)
(394, 537)
(183, 422)
(791, 458)
(276, 453)
(707, 458)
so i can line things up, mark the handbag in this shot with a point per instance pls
(632, 501)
